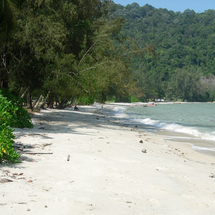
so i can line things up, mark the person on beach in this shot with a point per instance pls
(76, 108)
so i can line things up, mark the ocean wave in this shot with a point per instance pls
(119, 112)
(200, 148)
(177, 128)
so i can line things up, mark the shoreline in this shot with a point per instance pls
(90, 162)
(202, 145)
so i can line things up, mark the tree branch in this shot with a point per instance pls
(87, 52)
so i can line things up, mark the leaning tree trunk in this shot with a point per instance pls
(44, 102)
(22, 96)
(38, 102)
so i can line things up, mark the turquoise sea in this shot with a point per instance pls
(193, 123)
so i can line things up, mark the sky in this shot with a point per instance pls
(176, 5)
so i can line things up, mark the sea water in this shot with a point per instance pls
(187, 122)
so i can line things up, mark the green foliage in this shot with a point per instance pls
(111, 99)
(12, 114)
(67, 49)
(185, 84)
(74, 51)
(11, 111)
(7, 151)
(134, 99)
(183, 40)
(88, 100)
(7, 21)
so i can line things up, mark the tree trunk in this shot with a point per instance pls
(50, 102)
(38, 101)
(29, 101)
(24, 92)
(44, 102)
(4, 73)
(103, 98)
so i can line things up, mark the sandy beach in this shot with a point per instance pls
(90, 162)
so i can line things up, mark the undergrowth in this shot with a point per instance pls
(7, 151)
(12, 114)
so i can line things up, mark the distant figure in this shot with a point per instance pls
(76, 108)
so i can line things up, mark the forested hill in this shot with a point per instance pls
(183, 40)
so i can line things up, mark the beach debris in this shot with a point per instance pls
(141, 141)
(3, 204)
(98, 111)
(68, 157)
(5, 180)
(22, 203)
(6, 171)
(47, 189)
(144, 151)
(212, 175)
(38, 153)
(47, 144)
(7, 176)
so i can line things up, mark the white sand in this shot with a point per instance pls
(107, 172)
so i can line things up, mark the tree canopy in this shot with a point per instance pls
(96, 49)
(66, 49)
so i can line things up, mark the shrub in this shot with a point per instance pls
(7, 151)
(11, 111)
(12, 114)
(88, 100)
(134, 99)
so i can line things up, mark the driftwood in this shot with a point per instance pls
(39, 153)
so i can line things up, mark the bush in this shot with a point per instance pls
(11, 111)
(134, 99)
(88, 100)
(7, 151)
(12, 114)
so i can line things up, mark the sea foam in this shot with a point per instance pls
(157, 124)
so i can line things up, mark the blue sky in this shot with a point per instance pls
(175, 5)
